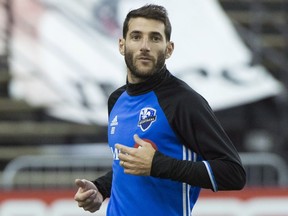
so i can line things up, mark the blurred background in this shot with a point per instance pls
(59, 62)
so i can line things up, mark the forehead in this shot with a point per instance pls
(144, 25)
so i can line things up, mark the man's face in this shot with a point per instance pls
(145, 48)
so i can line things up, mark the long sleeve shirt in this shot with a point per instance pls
(192, 149)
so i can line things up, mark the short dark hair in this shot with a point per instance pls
(149, 11)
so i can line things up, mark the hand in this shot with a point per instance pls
(88, 196)
(136, 161)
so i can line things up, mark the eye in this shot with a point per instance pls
(156, 38)
(135, 37)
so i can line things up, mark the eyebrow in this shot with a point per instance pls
(135, 32)
(151, 33)
(157, 34)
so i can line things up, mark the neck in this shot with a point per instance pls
(133, 79)
(148, 84)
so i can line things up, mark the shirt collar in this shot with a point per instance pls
(148, 85)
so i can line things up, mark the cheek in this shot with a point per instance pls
(161, 55)
(130, 52)
(132, 47)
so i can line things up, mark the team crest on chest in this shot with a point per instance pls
(146, 117)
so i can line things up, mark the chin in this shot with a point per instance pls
(145, 74)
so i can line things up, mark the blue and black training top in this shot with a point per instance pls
(193, 151)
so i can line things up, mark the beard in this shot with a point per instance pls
(157, 65)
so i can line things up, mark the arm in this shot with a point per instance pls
(221, 168)
(104, 184)
(199, 130)
(146, 161)
(198, 173)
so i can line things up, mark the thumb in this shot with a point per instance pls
(81, 183)
(138, 140)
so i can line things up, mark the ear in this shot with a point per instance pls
(169, 49)
(122, 46)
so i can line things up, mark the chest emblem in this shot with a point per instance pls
(146, 117)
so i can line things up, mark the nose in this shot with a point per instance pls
(145, 46)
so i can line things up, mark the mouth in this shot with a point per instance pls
(144, 58)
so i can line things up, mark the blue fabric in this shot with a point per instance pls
(145, 195)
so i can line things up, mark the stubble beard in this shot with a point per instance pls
(141, 74)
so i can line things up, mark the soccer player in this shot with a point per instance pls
(165, 139)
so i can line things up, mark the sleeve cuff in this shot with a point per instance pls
(211, 176)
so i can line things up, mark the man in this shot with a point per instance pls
(165, 140)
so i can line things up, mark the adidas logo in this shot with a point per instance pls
(114, 121)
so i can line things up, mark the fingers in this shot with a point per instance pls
(80, 183)
(91, 204)
(138, 140)
(128, 154)
(122, 163)
(87, 195)
(86, 198)
(124, 149)
(84, 192)
(127, 150)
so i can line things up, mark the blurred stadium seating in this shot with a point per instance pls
(263, 27)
